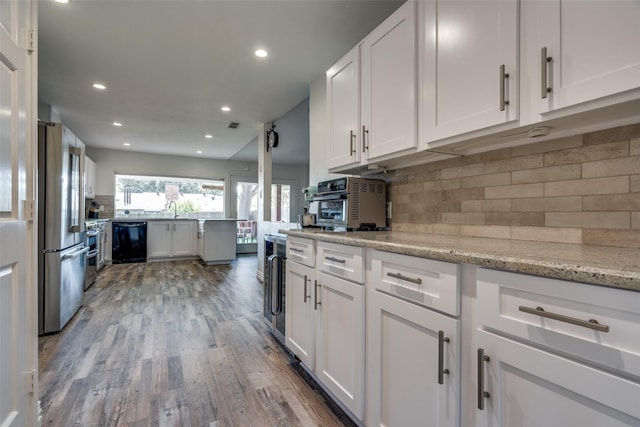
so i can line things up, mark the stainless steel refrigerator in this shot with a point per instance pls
(61, 233)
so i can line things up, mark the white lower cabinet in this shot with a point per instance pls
(299, 317)
(340, 339)
(325, 323)
(528, 387)
(167, 239)
(555, 353)
(412, 364)
(413, 341)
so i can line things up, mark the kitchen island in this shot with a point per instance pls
(217, 240)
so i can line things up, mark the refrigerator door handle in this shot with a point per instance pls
(75, 190)
(75, 254)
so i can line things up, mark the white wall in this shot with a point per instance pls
(112, 162)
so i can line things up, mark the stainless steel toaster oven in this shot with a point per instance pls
(351, 202)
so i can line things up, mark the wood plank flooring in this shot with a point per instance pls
(174, 344)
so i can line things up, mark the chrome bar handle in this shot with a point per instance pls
(316, 303)
(441, 369)
(482, 393)
(74, 254)
(365, 135)
(292, 249)
(352, 150)
(503, 81)
(544, 76)
(305, 296)
(278, 288)
(338, 260)
(417, 281)
(590, 324)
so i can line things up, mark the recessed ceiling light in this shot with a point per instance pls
(261, 53)
(225, 108)
(99, 86)
(199, 151)
(62, 1)
(118, 124)
(208, 136)
(126, 144)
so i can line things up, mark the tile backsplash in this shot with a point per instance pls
(583, 189)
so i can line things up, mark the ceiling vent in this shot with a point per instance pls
(233, 125)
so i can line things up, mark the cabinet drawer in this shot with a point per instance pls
(430, 283)
(592, 323)
(301, 250)
(341, 261)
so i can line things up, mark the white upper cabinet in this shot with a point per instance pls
(89, 178)
(388, 72)
(371, 95)
(343, 101)
(579, 51)
(468, 67)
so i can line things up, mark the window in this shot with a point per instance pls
(162, 196)
(281, 202)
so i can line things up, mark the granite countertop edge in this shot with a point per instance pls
(164, 219)
(577, 267)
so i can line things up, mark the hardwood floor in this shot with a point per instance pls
(174, 344)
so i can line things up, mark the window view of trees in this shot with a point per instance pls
(144, 195)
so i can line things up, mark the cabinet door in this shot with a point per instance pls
(592, 48)
(529, 387)
(159, 239)
(405, 359)
(463, 47)
(89, 178)
(389, 85)
(343, 103)
(340, 340)
(299, 320)
(184, 238)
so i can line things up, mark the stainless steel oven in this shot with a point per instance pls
(274, 284)
(92, 258)
(352, 203)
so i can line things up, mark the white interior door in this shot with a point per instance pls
(18, 316)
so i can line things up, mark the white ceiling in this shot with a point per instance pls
(169, 65)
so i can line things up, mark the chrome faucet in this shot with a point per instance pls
(175, 208)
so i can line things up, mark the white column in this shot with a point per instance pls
(264, 192)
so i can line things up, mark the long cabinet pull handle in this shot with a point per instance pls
(544, 76)
(352, 135)
(330, 258)
(300, 251)
(591, 323)
(365, 136)
(503, 81)
(305, 297)
(417, 280)
(441, 370)
(482, 393)
(316, 303)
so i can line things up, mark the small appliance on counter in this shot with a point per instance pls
(352, 203)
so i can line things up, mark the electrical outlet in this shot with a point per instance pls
(388, 210)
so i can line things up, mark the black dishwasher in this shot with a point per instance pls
(129, 243)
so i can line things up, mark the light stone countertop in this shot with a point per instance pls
(600, 265)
